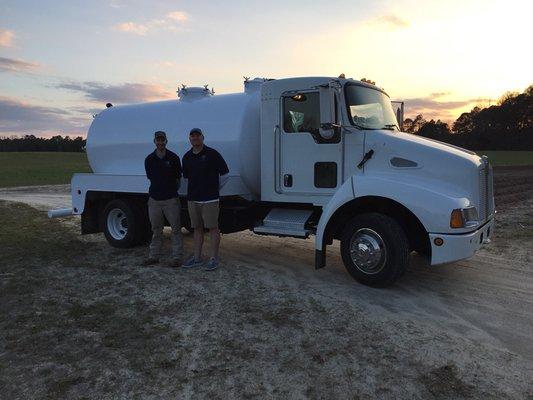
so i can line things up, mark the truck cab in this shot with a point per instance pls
(337, 144)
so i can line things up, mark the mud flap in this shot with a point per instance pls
(320, 258)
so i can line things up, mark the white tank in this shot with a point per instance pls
(121, 137)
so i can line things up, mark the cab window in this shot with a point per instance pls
(301, 113)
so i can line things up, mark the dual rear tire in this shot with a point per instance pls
(125, 223)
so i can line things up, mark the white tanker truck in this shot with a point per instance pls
(315, 156)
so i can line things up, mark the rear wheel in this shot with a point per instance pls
(125, 223)
(374, 249)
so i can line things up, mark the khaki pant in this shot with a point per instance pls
(157, 211)
(203, 214)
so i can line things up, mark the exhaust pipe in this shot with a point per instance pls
(63, 212)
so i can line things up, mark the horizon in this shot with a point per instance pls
(441, 59)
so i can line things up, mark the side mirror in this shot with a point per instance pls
(328, 122)
(397, 106)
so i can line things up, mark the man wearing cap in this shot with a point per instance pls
(163, 169)
(206, 171)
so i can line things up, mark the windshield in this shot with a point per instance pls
(369, 108)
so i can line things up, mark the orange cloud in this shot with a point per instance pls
(179, 16)
(171, 22)
(132, 27)
(447, 111)
(6, 38)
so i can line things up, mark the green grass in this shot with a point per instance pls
(505, 158)
(35, 168)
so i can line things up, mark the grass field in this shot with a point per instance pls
(34, 168)
(506, 158)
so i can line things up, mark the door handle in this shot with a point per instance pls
(287, 180)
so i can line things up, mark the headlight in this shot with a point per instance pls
(464, 218)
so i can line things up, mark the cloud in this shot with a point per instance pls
(115, 4)
(390, 20)
(132, 27)
(122, 94)
(179, 16)
(166, 64)
(438, 94)
(6, 38)
(173, 22)
(430, 107)
(17, 117)
(14, 65)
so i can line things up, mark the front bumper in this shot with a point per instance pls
(458, 247)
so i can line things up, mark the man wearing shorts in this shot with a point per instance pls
(206, 171)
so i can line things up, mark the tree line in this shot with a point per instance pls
(33, 143)
(508, 125)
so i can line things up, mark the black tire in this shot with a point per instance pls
(390, 238)
(133, 227)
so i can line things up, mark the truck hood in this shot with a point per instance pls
(401, 155)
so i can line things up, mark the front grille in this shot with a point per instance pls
(486, 191)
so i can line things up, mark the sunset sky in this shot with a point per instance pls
(61, 61)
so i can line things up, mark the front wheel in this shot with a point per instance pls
(374, 249)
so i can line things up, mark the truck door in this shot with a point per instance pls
(310, 152)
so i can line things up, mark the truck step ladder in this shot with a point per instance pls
(285, 222)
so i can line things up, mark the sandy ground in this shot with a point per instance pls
(267, 325)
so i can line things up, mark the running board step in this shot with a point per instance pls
(285, 222)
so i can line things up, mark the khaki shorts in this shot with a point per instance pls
(203, 214)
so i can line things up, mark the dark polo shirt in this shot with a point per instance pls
(164, 174)
(202, 171)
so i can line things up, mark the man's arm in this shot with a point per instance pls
(147, 168)
(222, 167)
(185, 169)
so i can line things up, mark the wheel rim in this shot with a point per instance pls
(368, 251)
(117, 224)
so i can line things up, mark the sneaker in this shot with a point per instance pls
(211, 265)
(192, 262)
(151, 261)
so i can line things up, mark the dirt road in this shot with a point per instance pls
(268, 325)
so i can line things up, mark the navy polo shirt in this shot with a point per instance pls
(202, 171)
(164, 174)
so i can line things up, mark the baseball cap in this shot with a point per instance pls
(160, 134)
(196, 130)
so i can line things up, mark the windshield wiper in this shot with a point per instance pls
(391, 127)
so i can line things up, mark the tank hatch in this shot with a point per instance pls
(253, 85)
(194, 92)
